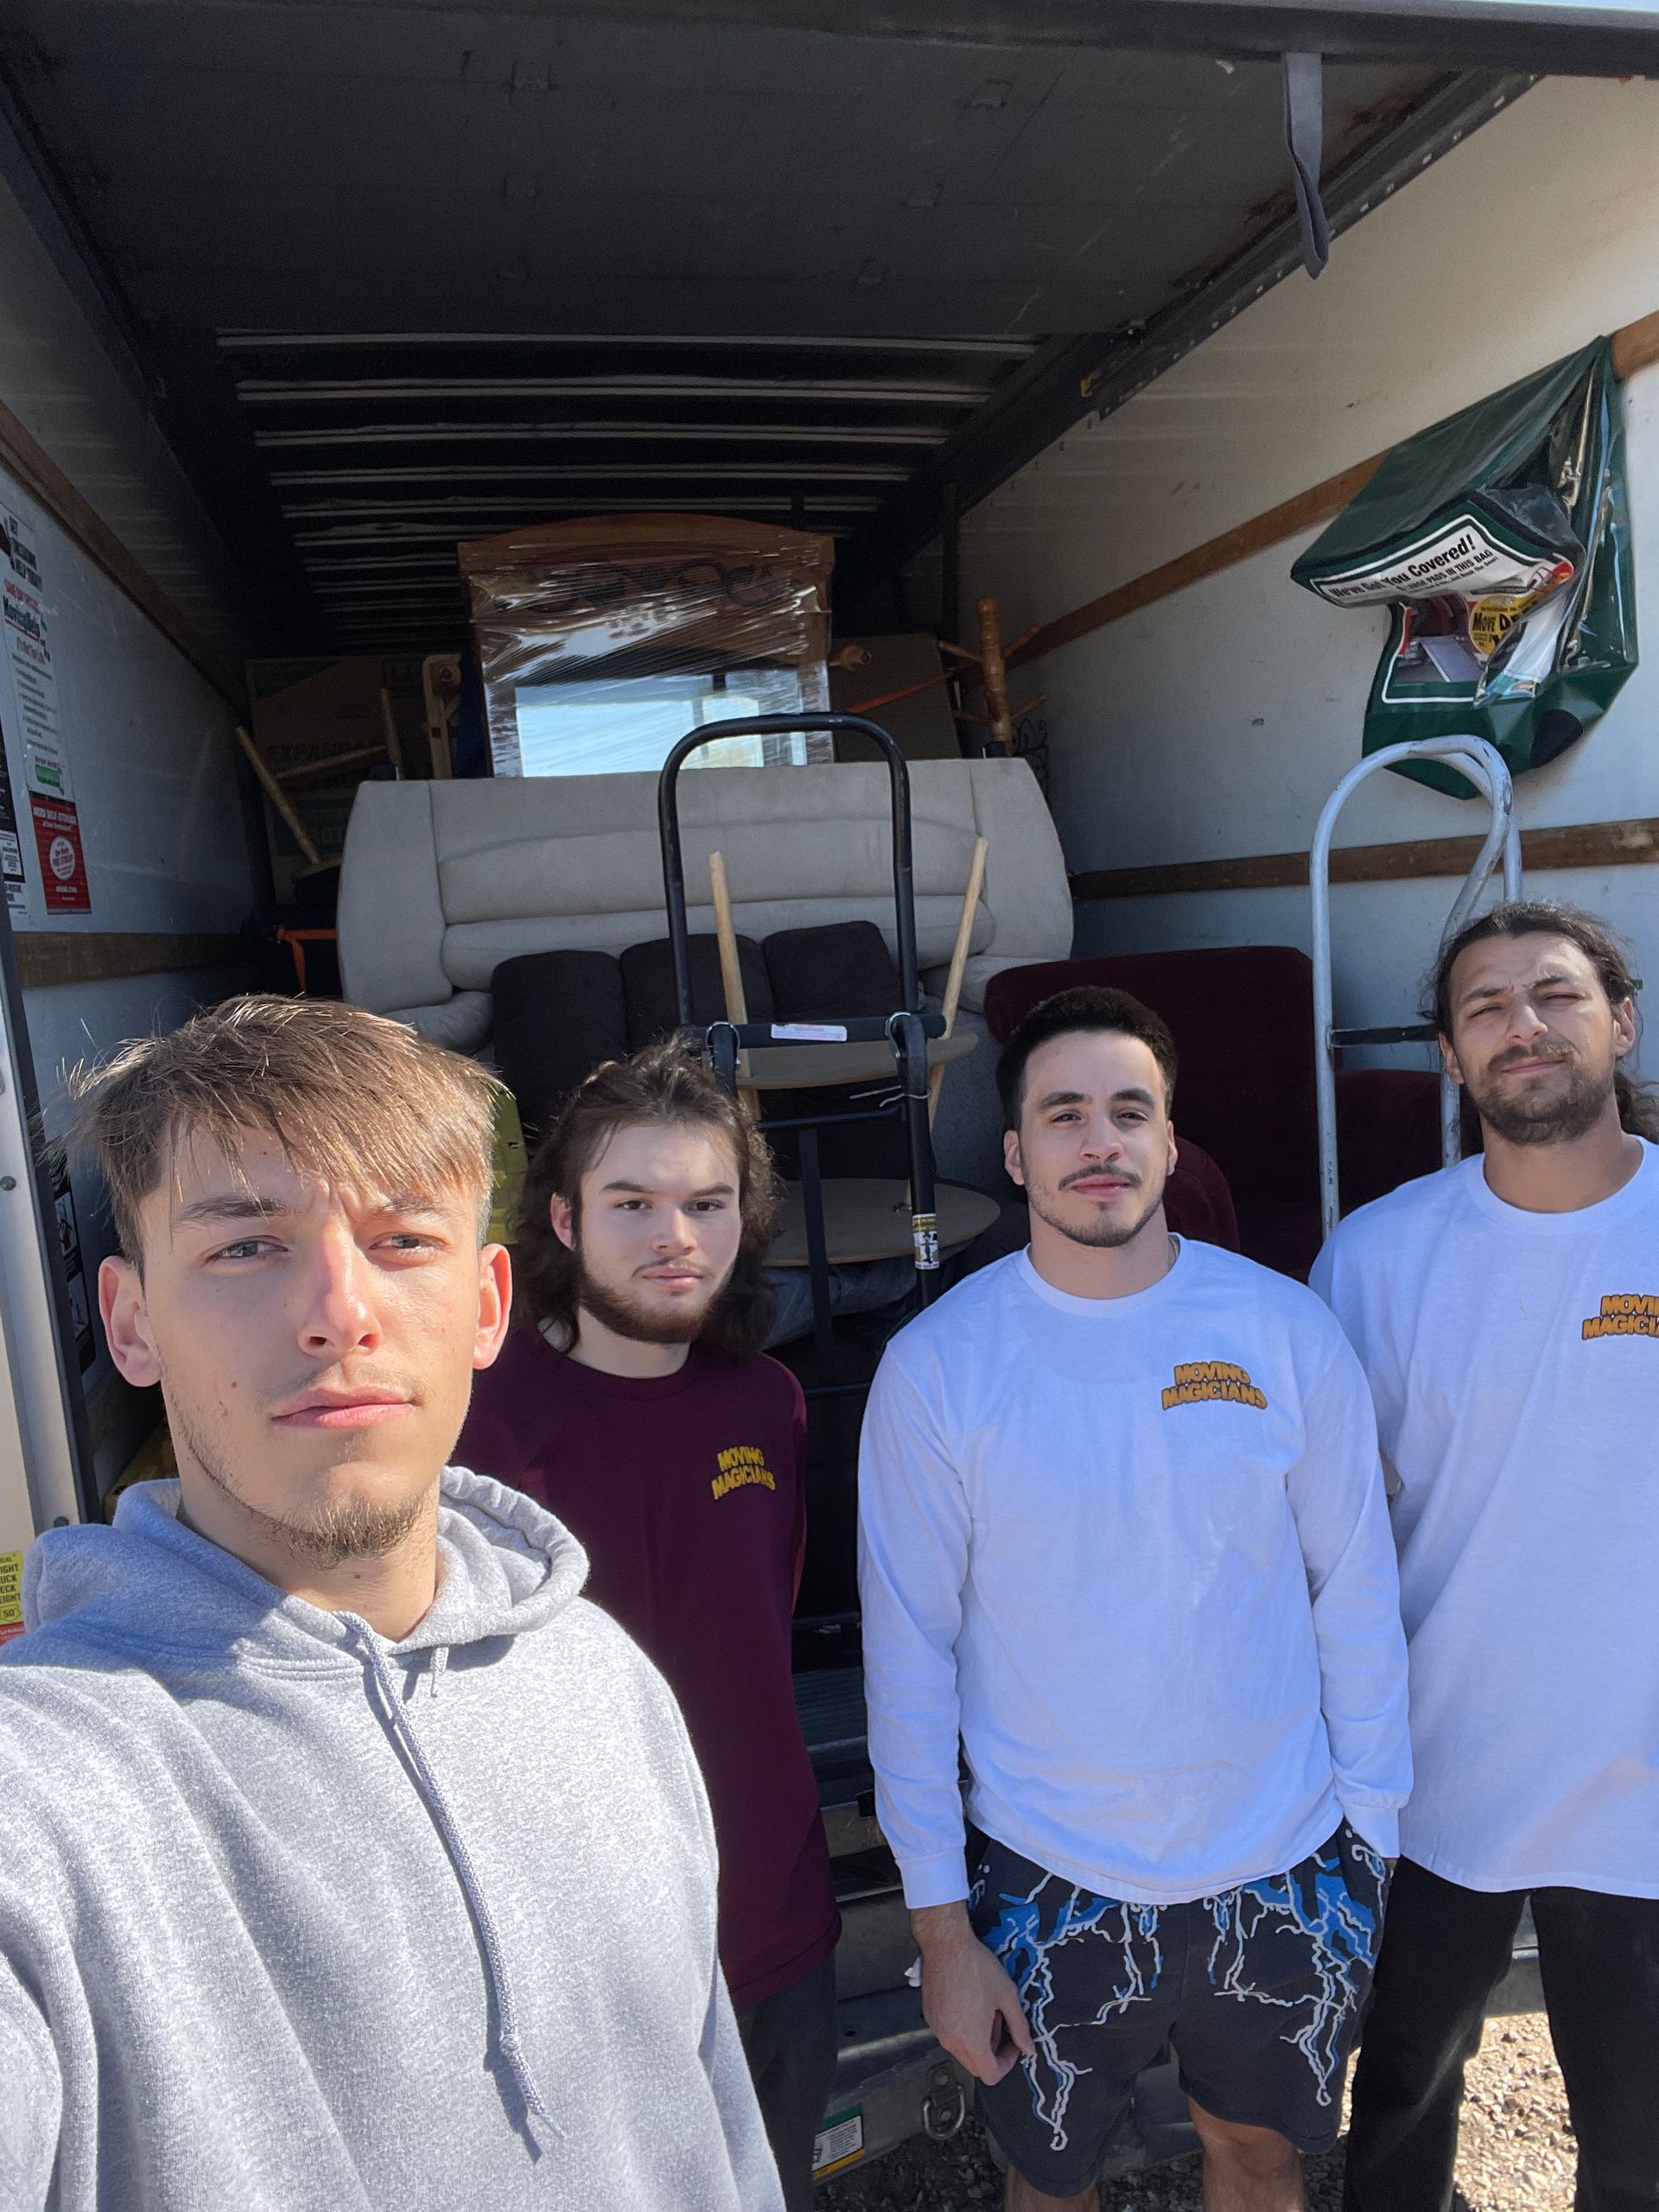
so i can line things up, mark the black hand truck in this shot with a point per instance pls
(907, 1029)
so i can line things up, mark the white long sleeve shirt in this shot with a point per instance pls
(1135, 1552)
(1515, 1361)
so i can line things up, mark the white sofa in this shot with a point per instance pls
(441, 881)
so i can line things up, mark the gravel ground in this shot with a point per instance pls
(1515, 2153)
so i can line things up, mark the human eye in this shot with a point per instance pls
(407, 1243)
(709, 1205)
(245, 1248)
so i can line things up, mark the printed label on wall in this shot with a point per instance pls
(34, 683)
(63, 865)
(11, 1595)
(11, 849)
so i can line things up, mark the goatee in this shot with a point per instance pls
(1101, 1235)
(353, 1529)
(1547, 1118)
(639, 1322)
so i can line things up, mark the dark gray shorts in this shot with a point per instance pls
(1258, 1992)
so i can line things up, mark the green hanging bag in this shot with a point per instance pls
(1500, 540)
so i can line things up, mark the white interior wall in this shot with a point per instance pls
(1214, 724)
(153, 762)
(150, 744)
(57, 379)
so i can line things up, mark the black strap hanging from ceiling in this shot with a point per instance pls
(1304, 136)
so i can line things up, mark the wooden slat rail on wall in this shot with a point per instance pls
(1589, 844)
(48, 957)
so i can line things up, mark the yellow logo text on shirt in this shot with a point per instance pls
(1626, 1313)
(741, 1464)
(1201, 1379)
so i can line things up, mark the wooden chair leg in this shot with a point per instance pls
(958, 964)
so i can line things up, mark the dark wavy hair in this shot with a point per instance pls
(665, 1083)
(1638, 1108)
(1099, 1009)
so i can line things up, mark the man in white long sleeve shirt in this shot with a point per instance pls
(1123, 1533)
(1506, 1312)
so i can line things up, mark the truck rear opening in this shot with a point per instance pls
(301, 299)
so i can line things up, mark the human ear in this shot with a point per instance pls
(1623, 1028)
(1010, 1158)
(1174, 1150)
(1449, 1059)
(562, 1215)
(495, 1303)
(126, 1323)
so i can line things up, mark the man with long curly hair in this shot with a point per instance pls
(633, 1399)
(1506, 1312)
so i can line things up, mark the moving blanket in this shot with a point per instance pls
(1501, 541)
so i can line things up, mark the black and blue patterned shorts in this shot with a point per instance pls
(1258, 1990)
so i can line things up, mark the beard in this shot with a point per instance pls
(351, 1528)
(1102, 1234)
(1556, 1116)
(636, 1320)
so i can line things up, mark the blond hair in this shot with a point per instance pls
(347, 1095)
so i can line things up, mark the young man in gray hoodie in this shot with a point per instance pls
(349, 1861)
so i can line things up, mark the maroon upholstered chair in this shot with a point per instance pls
(1242, 1019)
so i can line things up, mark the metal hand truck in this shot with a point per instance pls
(907, 1029)
(1484, 766)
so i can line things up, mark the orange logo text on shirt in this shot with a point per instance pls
(1198, 1380)
(741, 1464)
(1626, 1313)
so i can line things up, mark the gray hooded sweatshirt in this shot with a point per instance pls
(293, 1919)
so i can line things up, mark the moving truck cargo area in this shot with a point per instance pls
(566, 523)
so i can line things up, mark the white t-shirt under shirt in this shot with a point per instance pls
(1514, 1358)
(1136, 1551)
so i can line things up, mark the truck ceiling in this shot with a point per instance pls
(390, 276)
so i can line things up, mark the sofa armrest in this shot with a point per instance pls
(391, 918)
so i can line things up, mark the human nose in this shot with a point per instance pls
(1525, 1022)
(672, 1232)
(1103, 1139)
(340, 1316)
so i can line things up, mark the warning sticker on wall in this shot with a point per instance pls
(34, 687)
(11, 1595)
(838, 2142)
(63, 865)
(11, 848)
(36, 682)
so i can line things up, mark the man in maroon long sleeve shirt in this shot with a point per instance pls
(632, 1400)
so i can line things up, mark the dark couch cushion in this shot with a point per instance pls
(838, 968)
(648, 986)
(557, 1016)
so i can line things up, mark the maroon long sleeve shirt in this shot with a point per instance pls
(686, 1491)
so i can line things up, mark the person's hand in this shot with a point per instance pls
(967, 1999)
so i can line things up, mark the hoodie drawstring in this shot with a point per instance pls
(495, 1965)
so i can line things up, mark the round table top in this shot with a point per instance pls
(867, 1218)
(810, 1067)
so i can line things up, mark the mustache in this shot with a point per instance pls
(1559, 1055)
(1087, 1174)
